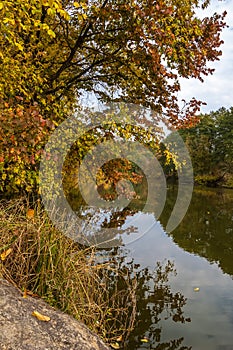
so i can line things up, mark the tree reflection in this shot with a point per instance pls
(148, 301)
(139, 300)
(207, 228)
(102, 227)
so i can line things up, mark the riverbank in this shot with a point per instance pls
(40, 260)
(216, 181)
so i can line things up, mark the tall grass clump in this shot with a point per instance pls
(37, 258)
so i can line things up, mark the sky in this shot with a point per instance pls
(217, 89)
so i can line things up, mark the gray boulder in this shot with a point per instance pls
(20, 330)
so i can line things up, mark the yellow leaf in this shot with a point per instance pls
(55, 123)
(44, 26)
(196, 289)
(40, 317)
(83, 5)
(5, 254)
(30, 213)
(120, 338)
(51, 12)
(64, 14)
(115, 345)
(19, 46)
(51, 33)
(1, 5)
(145, 340)
(17, 181)
(25, 293)
(76, 4)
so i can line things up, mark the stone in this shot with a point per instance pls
(20, 330)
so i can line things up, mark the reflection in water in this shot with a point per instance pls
(207, 228)
(151, 302)
(202, 251)
(156, 301)
(103, 227)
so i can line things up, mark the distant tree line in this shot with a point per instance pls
(210, 144)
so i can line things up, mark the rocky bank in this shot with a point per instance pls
(20, 330)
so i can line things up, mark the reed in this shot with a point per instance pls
(38, 258)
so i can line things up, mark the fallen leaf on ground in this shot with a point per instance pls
(196, 289)
(25, 293)
(115, 345)
(30, 213)
(5, 254)
(31, 294)
(40, 317)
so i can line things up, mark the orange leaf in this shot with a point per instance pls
(30, 213)
(31, 294)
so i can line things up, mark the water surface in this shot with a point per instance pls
(190, 305)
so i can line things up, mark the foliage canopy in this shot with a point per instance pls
(133, 51)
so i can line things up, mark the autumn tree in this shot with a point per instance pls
(134, 51)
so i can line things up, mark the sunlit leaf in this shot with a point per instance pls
(40, 317)
(30, 213)
(5, 254)
(51, 33)
(25, 293)
(115, 345)
(145, 340)
(119, 339)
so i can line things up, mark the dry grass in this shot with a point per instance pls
(44, 261)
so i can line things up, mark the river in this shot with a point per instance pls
(185, 289)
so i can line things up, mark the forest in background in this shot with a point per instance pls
(210, 145)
